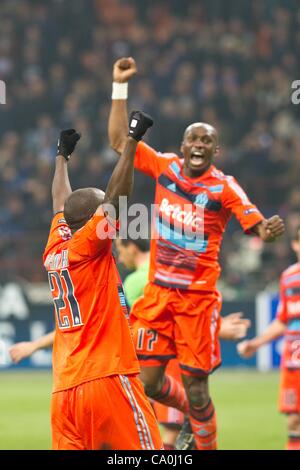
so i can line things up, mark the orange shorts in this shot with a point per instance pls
(289, 393)
(166, 414)
(169, 323)
(107, 413)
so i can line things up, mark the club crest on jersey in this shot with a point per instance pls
(65, 233)
(201, 199)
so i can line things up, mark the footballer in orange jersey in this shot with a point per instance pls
(98, 402)
(287, 323)
(179, 314)
(135, 254)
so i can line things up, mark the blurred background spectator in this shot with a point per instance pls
(228, 63)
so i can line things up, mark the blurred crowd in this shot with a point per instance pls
(227, 63)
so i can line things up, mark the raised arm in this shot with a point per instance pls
(121, 180)
(61, 188)
(123, 70)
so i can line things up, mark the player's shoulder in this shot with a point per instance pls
(171, 156)
(59, 228)
(143, 147)
(60, 233)
(221, 176)
(216, 173)
(222, 181)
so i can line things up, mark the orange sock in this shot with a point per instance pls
(204, 425)
(293, 442)
(173, 394)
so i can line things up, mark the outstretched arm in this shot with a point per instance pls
(249, 347)
(121, 180)
(123, 70)
(20, 351)
(61, 188)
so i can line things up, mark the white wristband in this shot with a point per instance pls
(119, 91)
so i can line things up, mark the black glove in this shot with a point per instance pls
(139, 122)
(67, 142)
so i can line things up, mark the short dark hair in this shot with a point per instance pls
(81, 205)
(141, 243)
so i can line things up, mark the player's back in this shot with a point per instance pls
(92, 337)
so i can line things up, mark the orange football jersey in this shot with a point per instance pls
(189, 218)
(93, 337)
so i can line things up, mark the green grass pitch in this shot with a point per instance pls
(246, 404)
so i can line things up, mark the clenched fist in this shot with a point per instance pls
(124, 69)
(274, 228)
(139, 122)
(270, 229)
(67, 142)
